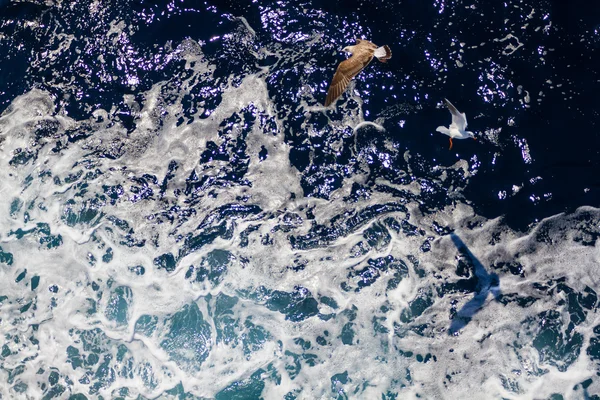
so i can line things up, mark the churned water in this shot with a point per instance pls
(180, 218)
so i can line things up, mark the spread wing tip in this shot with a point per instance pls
(331, 97)
(451, 107)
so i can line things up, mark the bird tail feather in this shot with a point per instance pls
(444, 130)
(383, 53)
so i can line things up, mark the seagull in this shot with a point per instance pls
(362, 54)
(458, 125)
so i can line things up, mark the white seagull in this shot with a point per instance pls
(458, 125)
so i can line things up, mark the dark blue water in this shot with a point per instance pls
(560, 127)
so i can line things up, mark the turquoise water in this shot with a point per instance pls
(116, 287)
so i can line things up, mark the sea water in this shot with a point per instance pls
(181, 218)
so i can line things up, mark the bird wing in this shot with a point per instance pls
(347, 70)
(459, 120)
(366, 44)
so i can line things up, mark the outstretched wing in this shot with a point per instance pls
(347, 70)
(366, 44)
(459, 120)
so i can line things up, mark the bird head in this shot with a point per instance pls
(348, 49)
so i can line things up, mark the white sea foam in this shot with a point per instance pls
(485, 353)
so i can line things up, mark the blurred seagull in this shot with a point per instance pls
(458, 125)
(362, 54)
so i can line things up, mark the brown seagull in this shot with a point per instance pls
(362, 54)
